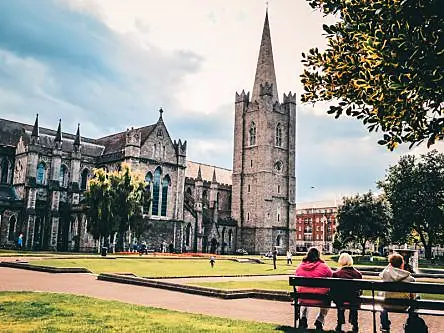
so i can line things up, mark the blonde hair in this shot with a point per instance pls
(345, 260)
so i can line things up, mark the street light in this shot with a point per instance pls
(324, 225)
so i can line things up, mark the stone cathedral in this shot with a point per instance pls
(195, 207)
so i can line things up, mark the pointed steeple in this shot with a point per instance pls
(58, 137)
(265, 79)
(199, 174)
(214, 180)
(35, 129)
(77, 139)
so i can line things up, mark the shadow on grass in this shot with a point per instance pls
(288, 329)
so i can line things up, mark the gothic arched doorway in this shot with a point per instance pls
(213, 245)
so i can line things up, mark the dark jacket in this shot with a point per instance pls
(346, 295)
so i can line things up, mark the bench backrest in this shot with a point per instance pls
(374, 285)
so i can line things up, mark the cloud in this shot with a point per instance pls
(65, 62)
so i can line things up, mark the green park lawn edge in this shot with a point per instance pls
(51, 312)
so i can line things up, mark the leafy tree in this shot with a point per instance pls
(99, 200)
(415, 189)
(362, 218)
(115, 201)
(384, 65)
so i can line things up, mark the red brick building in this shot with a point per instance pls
(316, 225)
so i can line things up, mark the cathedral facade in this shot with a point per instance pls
(195, 207)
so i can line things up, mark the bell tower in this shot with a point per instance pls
(264, 181)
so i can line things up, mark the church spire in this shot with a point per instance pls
(35, 129)
(265, 79)
(58, 137)
(77, 139)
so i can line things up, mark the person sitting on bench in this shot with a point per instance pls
(346, 271)
(394, 272)
(313, 266)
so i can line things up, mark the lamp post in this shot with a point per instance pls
(324, 226)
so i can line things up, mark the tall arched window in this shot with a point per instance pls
(63, 177)
(278, 139)
(165, 184)
(84, 180)
(278, 240)
(41, 170)
(188, 235)
(148, 189)
(4, 171)
(252, 133)
(12, 222)
(156, 189)
(230, 237)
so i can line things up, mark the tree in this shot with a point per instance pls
(384, 65)
(129, 196)
(415, 189)
(99, 201)
(363, 218)
(115, 201)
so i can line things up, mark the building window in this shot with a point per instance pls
(278, 240)
(148, 189)
(41, 170)
(248, 188)
(11, 235)
(230, 237)
(279, 188)
(248, 216)
(4, 171)
(63, 176)
(188, 235)
(165, 184)
(84, 180)
(252, 134)
(278, 139)
(279, 216)
(156, 190)
(251, 163)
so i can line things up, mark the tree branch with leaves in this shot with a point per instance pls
(384, 65)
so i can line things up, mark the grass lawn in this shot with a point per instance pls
(154, 267)
(45, 312)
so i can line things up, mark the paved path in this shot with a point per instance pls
(247, 309)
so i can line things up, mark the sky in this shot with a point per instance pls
(111, 64)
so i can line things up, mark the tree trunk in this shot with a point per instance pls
(428, 251)
(363, 247)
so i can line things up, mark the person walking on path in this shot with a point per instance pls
(346, 271)
(394, 272)
(275, 253)
(20, 241)
(313, 266)
(212, 261)
(289, 258)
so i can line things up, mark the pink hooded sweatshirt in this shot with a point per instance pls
(317, 269)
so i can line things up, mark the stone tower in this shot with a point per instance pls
(264, 182)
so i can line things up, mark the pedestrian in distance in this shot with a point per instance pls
(343, 297)
(312, 266)
(289, 258)
(275, 253)
(20, 241)
(212, 261)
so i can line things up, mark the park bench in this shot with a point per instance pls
(372, 302)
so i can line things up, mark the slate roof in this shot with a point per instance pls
(116, 142)
(223, 176)
(10, 132)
